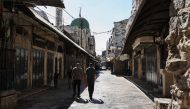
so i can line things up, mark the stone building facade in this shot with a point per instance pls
(116, 42)
(81, 34)
(110, 49)
(115, 45)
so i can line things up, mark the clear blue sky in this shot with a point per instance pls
(100, 13)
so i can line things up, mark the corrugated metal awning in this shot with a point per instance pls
(55, 3)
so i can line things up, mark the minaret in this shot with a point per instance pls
(81, 25)
(59, 17)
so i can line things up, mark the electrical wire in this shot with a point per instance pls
(51, 16)
(68, 14)
(47, 13)
(104, 32)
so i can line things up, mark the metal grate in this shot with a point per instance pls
(50, 67)
(38, 68)
(21, 69)
(7, 58)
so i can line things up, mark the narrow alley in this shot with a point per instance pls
(111, 92)
(139, 48)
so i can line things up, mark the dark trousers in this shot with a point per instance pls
(90, 88)
(76, 83)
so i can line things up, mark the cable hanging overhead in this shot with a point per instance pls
(68, 14)
(104, 32)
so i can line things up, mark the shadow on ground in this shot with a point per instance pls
(54, 98)
(97, 101)
(81, 100)
(146, 87)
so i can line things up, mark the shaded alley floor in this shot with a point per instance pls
(111, 92)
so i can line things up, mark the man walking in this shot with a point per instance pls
(77, 76)
(91, 76)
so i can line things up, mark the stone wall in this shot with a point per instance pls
(178, 62)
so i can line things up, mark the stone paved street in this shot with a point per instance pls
(111, 92)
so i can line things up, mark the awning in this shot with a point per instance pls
(124, 57)
(54, 3)
(151, 19)
(47, 24)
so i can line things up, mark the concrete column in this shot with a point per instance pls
(30, 63)
(166, 82)
(158, 63)
(55, 55)
(30, 68)
(62, 66)
(139, 67)
(132, 65)
(45, 67)
(85, 64)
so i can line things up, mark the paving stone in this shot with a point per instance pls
(115, 93)
(111, 92)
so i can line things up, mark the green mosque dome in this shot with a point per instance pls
(81, 23)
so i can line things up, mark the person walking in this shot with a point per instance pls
(77, 77)
(91, 76)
